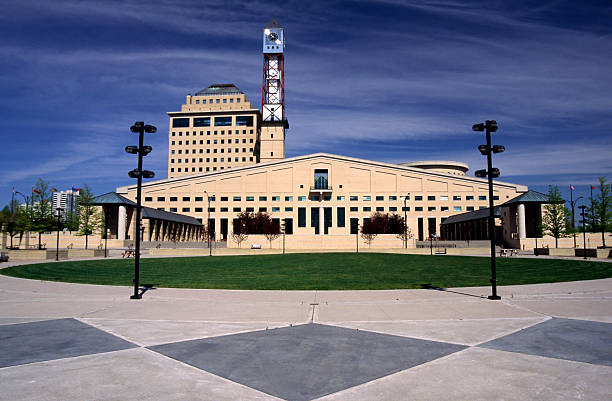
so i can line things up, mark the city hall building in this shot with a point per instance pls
(225, 157)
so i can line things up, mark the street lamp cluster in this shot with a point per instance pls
(141, 150)
(491, 172)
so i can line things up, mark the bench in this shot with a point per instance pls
(4, 257)
(129, 252)
(256, 246)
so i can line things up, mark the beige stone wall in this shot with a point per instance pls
(361, 187)
(593, 240)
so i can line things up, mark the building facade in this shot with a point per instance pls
(66, 201)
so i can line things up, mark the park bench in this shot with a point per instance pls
(129, 252)
(255, 246)
(4, 257)
(508, 252)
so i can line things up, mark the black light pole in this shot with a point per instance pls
(406, 221)
(490, 126)
(208, 225)
(357, 237)
(582, 207)
(105, 235)
(142, 150)
(283, 228)
(59, 215)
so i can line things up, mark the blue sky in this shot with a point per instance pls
(385, 80)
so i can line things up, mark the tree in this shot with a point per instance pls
(601, 212)
(272, 230)
(555, 220)
(384, 223)
(72, 221)
(41, 214)
(13, 221)
(255, 223)
(90, 218)
(239, 228)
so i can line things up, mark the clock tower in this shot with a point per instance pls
(274, 122)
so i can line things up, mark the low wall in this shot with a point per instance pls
(593, 240)
(330, 241)
(85, 253)
(27, 254)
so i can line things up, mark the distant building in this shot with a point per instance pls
(67, 201)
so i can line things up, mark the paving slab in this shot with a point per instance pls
(467, 332)
(154, 332)
(134, 374)
(575, 340)
(306, 361)
(482, 374)
(53, 339)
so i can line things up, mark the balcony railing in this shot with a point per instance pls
(320, 188)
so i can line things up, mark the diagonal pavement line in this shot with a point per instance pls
(509, 332)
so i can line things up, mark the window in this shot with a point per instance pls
(148, 199)
(469, 197)
(173, 199)
(482, 197)
(392, 198)
(380, 198)
(444, 208)
(198, 209)
(250, 209)
(161, 198)
(276, 199)
(367, 198)
(431, 208)
(301, 217)
(354, 209)
(482, 207)
(288, 226)
(288, 198)
(495, 197)
(313, 197)
(354, 198)
(250, 198)
(244, 121)
(393, 209)
(173, 209)
(236, 209)
(456, 208)
(418, 198)
(161, 208)
(443, 197)
(263, 209)
(223, 121)
(201, 122)
(180, 122)
(224, 209)
(418, 209)
(354, 225)
(224, 199)
(236, 199)
(320, 179)
(431, 197)
(199, 199)
(301, 199)
(276, 209)
(470, 208)
(327, 197)
(380, 209)
(288, 209)
(456, 197)
(263, 198)
(186, 198)
(367, 209)
(340, 198)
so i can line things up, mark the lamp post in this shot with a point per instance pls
(583, 221)
(573, 202)
(141, 150)
(491, 172)
(208, 225)
(406, 221)
(59, 216)
(283, 229)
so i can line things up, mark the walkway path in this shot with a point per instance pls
(62, 341)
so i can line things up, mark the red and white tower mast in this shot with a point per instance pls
(274, 122)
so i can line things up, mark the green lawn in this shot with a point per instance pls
(322, 271)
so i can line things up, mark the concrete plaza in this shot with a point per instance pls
(61, 341)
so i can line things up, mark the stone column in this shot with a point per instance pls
(121, 223)
(522, 231)
(321, 221)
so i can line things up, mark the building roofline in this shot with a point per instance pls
(235, 170)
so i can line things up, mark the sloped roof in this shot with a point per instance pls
(475, 215)
(220, 89)
(112, 198)
(150, 213)
(273, 24)
(528, 197)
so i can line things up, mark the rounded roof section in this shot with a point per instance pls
(220, 89)
(439, 165)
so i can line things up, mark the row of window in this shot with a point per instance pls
(208, 133)
(211, 101)
(215, 150)
(214, 142)
(219, 121)
(214, 159)
(351, 209)
(200, 169)
(303, 198)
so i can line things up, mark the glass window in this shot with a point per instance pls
(244, 121)
(320, 179)
(380, 198)
(482, 197)
(313, 197)
(250, 199)
(367, 198)
(456, 208)
(443, 197)
(276, 209)
(431, 197)
(199, 198)
(392, 208)
(326, 197)
(301, 199)
(392, 198)
(431, 208)
(224, 209)
(224, 199)
(288, 209)
(250, 209)
(444, 208)
(380, 209)
(263, 198)
(173, 199)
(186, 198)
(340, 217)
(301, 217)
(236, 198)
(354, 225)
(354, 198)
(173, 209)
(470, 208)
(201, 122)
(495, 197)
(148, 199)
(469, 197)
(367, 209)
(263, 209)
(180, 122)
(161, 198)
(340, 198)
(198, 209)
(418, 198)
(276, 199)
(223, 121)
(236, 209)
(482, 207)
(354, 209)
(456, 197)
(418, 209)
(288, 198)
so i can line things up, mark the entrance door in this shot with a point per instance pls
(223, 229)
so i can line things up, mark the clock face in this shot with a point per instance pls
(273, 39)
